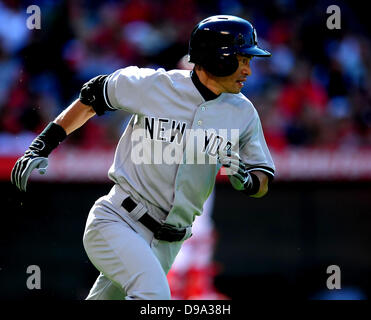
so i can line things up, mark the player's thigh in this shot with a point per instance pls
(126, 258)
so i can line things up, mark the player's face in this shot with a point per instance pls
(235, 82)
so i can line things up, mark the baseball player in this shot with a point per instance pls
(161, 176)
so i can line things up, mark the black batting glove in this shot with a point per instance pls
(24, 166)
(36, 156)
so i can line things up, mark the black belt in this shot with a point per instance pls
(161, 231)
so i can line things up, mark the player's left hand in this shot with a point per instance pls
(25, 165)
(239, 176)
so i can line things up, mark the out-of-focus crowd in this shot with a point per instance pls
(315, 90)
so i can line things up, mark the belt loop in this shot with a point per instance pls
(137, 212)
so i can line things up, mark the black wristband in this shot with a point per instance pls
(48, 139)
(254, 186)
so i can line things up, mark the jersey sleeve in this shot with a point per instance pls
(126, 88)
(254, 151)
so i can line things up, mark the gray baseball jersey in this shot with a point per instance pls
(167, 111)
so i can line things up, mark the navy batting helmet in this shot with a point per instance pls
(216, 41)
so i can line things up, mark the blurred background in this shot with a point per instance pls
(314, 99)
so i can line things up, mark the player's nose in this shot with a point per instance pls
(246, 71)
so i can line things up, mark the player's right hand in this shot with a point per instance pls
(236, 169)
(24, 166)
(232, 161)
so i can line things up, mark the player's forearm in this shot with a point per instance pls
(74, 116)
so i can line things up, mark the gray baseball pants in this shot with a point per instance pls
(132, 263)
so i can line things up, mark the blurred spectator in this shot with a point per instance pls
(9, 73)
(302, 103)
(13, 29)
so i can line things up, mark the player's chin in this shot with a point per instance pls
(236, 90)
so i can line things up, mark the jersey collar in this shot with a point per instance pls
(205, 92)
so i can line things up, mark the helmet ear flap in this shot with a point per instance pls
(221, 66)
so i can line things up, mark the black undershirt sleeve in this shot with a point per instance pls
(94, 93)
